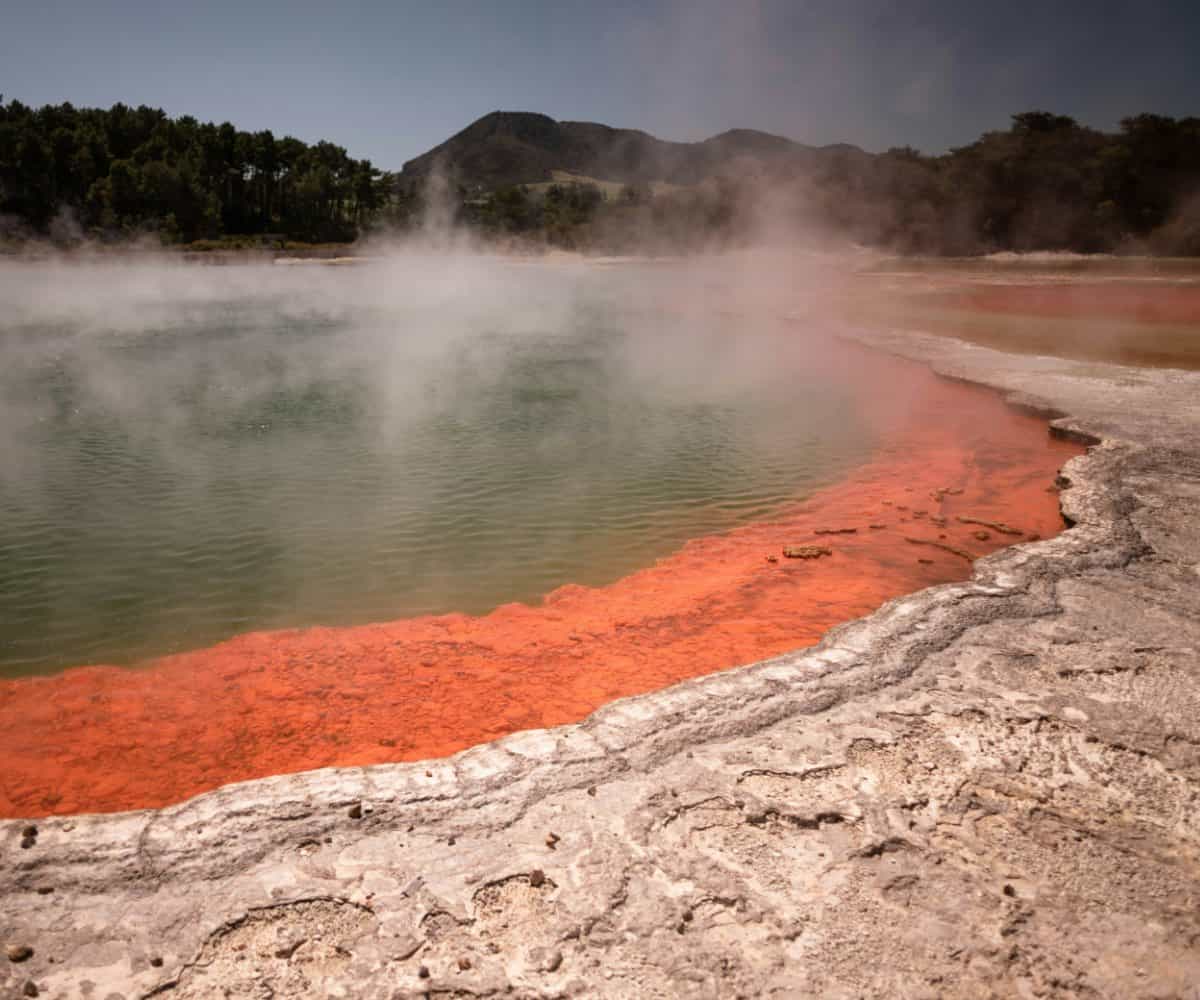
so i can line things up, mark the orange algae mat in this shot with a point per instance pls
(1140, 302)
(96, 739)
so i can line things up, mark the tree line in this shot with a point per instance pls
(1045, 183)
(125, 171)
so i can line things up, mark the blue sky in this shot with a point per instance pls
(387, 80)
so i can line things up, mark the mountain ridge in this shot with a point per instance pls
(508, 148)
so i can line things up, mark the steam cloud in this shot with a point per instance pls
(218, 383)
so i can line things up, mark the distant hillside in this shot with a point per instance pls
(70, 175)
(1046, 183)
(508, 148)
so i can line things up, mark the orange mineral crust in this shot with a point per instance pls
(958, 474)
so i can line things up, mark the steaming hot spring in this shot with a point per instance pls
(260, 519)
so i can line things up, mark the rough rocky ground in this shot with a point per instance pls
(985, 789)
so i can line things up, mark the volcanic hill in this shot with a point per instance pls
(519, 147)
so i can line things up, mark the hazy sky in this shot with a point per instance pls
(387, 80)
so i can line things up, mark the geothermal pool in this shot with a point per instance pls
(257, 520)
(202, 457)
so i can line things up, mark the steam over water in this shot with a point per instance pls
(189, 453)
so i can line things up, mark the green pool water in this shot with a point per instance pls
(189, 453)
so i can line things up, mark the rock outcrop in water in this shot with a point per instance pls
(983, 789)
(806, 551)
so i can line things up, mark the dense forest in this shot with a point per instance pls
(1045, 183)
(126, 171)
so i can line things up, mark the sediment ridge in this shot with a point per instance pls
(987, 788)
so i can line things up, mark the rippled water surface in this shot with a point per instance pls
(188, 453)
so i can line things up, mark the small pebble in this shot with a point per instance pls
(554, 961)
(537, 877)
(592, 791)
(31, 989)
(355, 811)
(18, 952)
(451, 841)
(464, 964)
(156, 961)
(29, 830)
(423, 972)
(28, 842)
(552, 838)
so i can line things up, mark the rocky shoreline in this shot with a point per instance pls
(983, 789)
